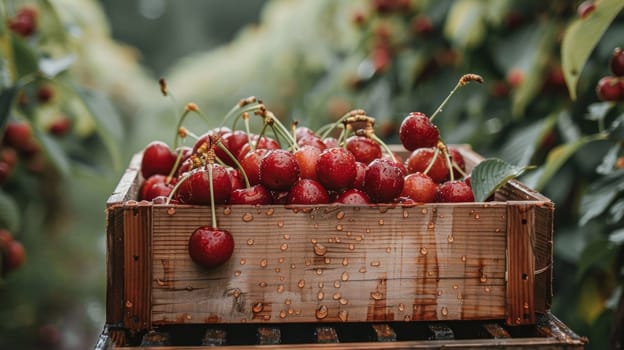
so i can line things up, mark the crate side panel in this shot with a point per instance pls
(137, 266)
(114, 265)
(543, 251)
(333, 264)
(521, 263)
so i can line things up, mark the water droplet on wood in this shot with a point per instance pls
(336, 296)
(308, 262)
(270, 212)
(280, 224)
(286, 236)
(405, 213)
(423, 211)
(257, 307)
(401, 307)
(243, 261)
(344, 276)
(262, 284)
(380, 221)
(340, 215)
(282, 314)
(483, 278)
(339, 227)
(319, 271)
(280, 288)
(301, 283)
(250, 241)
(227, 211)
(284, 246)
(375, 263)
(314, 240)
(463, 258)
(280, 260)
(388, 250)
(343, 315)
(321, 312)
(377, 295)
(264, 263)
(444, 311)
(336, 284)
(423, 251)
(362, 269)
(237, 273)
(451, 239)
(171, 211)
(320, 249)
(351, 246)
(320, 295)
(345, 261)
(247, 217)
(477, 216)
(328, 260)
(431, 226)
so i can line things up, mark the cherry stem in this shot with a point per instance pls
(253, 101)
(465, 79)
(236, 162)
(432, 161)
(213, 210)
(280, 129)
(177, 186)
(338, 123)
(383, 145)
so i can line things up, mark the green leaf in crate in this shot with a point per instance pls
(490, 175)
(9, 213)
(582, 36)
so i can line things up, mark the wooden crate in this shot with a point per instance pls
(330, 263)
(547, 334)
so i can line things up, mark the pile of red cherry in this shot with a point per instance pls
(298, 166)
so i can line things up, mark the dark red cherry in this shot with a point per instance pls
(307, 156)
(454, 192)
(383, 181)
(336, 168)
(353, 196)
(196, 189)
(256, 194)
(364, 149)
(158, 158)
(617, 62)
(419, 160)
(418, 131)
(609, 88)
(279, 170)
(419, 187)
(210, 247)
(307, 191)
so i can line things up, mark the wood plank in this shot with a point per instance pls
(155, 338)
(114, 266)
(520, 264)
(137, 266)
(333, 264)
(496, 331)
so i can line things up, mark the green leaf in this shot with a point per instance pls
(616, 131)
(582, 36)
(24, 58)
(597, 254)
(598, 111)
(9, 213)
(108, 122)
(600, 195)
(608, 161)
(558, 156)
(6, 101)
(490, 175)
(523, 142)
(465, 24)
(53, 150)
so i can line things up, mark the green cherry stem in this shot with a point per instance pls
(432, 161)
(236, 162)
(465, 79)
(213, 210)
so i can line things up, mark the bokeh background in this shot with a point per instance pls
(311, 61)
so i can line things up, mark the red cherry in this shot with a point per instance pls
(454, 192)
(418, 131)
(458, 161)
(279, 170)
(60, 126)
(13, 256)
(253, 195)
(232, 141)
(311, 140)
(158, 158)
(617, 62)
(331, 142)
(358, 182)
(303, 131)
(383, 181)
(307, 191)
(210, 247)
(353, 196)
(609, 89)
(364, 149)
(419, 187)
(419, 160)
(585, 8)
(147, 192)
(235, 178)
(19, 135)
(25, 21)
(307, 156)
(45, 93)
(336, 168)
(196, 189)
(251, 164)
